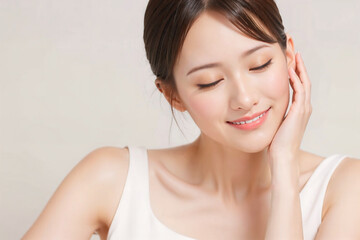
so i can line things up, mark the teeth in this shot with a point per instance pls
(249, 121)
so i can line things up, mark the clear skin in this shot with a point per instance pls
(244, 167)
(228, 183)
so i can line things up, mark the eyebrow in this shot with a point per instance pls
(211, 65)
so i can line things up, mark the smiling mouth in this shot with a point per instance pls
(249, 121)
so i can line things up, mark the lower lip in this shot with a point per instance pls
(252, 125)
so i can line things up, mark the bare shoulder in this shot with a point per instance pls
(108, 167)
(112, 164)
(106, 163)
(344, 197)
(86, 199)
(345, 180)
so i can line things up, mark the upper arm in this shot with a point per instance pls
(343, 217)
(86, 199)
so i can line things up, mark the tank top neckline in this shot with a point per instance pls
(148, 203)
(144, 151)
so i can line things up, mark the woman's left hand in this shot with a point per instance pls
(286, 143)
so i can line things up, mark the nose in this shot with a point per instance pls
(244, 94)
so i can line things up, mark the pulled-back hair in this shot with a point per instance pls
(167, 23)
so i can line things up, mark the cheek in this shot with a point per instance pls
(205, 107)
(276, 85)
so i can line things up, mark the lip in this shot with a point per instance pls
(247, 118)
(253, 125)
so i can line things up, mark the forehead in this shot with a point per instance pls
(212, 37)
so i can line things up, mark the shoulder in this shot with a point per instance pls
(105, 162)
(102, 172)
(345, 179)
(344, 197)
(91, 191)
(108, 169)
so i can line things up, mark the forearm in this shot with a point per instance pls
(285, 219)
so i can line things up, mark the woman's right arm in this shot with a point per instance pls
(87, 198)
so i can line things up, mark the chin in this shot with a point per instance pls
(255, 149)
(253, 145)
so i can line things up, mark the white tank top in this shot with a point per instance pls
(134, 219)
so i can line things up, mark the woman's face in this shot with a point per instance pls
(242, 87)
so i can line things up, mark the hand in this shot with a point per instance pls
(287, 140)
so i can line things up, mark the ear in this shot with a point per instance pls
(290, 53)
(166, 90)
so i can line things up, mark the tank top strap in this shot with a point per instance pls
(317, 183)
(132, 218)
(313, 194)
(139, 171)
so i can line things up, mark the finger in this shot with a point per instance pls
(302, 72)
(299, 91)
(300, 64)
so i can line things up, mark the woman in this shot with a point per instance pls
(229, 64)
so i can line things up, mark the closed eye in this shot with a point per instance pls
(201, 86)
(262, 66)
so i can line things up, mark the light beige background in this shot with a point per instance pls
(74, 77)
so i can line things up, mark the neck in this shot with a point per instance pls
(231, 173)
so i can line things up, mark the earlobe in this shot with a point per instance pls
(169, 95)
(178, 105)
(176, 102)
(158, 85)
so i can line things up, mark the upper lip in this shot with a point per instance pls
(247, 118)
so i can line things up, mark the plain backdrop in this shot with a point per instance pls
(74, 77)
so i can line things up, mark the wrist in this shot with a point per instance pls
(285, 176)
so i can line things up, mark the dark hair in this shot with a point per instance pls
(167, 23)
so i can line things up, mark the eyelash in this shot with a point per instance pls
(262, 66)
(267, 64)
(201, 86)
